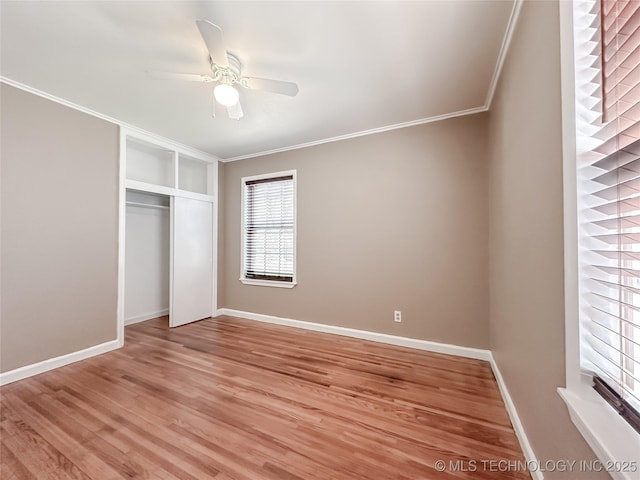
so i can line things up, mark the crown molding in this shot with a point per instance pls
(504, 49)
(513, 19)
(93, 113)
(361, 133)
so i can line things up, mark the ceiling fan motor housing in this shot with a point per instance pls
(228, 75)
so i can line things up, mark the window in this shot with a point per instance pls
(601, 156)
(602, 238)
(269, 229)
(608, 168)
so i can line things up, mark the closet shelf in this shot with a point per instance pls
(170, 191)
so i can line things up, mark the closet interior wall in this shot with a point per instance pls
(147, 256)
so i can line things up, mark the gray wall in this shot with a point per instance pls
(391, 221)
(59, 229)
(526, 235)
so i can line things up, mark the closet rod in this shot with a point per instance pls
(148, 205)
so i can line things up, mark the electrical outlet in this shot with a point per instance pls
(397, 316)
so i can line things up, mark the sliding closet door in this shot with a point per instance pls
(192, 261)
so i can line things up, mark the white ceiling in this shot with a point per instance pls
(359, 65)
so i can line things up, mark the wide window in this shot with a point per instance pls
(608, 165)
(269, 229)
(600, 52)
(601, 116)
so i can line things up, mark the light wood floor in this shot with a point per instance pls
(228, 398)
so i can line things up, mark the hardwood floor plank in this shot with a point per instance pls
(132, 432)
(232, 399)
(39, 457)
(82, 457)
(10, 467)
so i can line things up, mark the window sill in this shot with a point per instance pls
(614, 441)
(268, 283)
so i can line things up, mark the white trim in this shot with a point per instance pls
(141, 133)
(268, 283)
(570, 197)
(169, 191)
(426, 345)
(176, 168)
(146, 316)
(599, 424)
(154, 139)
(362, 133)
(172, 222)
(122, 234)
(131, 129)
(149, 187)
(56, 362)
(504, 49)
(468, 352)
(527, 450)
(212, 186)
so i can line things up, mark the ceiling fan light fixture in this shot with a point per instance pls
(226, 95)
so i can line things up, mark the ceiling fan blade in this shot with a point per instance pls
(212, 36)
(189, 77)
(235, 111)
(267, 85)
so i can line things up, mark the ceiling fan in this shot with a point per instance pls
(226, 70)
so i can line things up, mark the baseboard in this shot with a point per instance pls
(145, 316)
(51, 363)
(468, 352)
(527, 450)
(426, 345)
(477, 353)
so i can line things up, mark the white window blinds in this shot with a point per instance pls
(269, 228)
(608, 163)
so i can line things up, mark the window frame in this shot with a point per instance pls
(607, 433)
(261, 282)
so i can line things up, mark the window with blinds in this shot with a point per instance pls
(269, 218)
(608, 163)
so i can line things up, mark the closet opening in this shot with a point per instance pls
(147, 259)
(168, 229)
